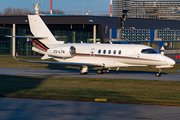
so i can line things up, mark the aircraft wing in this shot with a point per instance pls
(60, 63)
(104, 64)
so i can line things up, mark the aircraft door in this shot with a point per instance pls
(136, 54)
(92, 52)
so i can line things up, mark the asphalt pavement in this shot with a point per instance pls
(35, 109)
(91, 74)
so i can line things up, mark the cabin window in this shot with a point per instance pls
(149, 51)
(119, 52)
(104, 51)
(99, 51)
(109, 51)
(114, 52)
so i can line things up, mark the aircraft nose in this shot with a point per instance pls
(172, 62)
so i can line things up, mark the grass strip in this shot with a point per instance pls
(87, 89)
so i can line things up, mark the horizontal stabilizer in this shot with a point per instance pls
(32, 37)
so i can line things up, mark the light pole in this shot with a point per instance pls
(51, 7)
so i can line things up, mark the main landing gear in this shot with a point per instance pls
(83, 70)
(100, 71)
(158, 74)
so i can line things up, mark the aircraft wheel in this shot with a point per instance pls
(82, 73)
(83, 70)
(100, 71)
(158, 74)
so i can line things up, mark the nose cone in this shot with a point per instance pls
(171, 62)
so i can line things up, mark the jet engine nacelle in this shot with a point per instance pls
(64, 52)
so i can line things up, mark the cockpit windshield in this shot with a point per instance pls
(149, 51)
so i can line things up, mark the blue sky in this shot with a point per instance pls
(65, 5)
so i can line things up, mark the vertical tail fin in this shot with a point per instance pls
(39, 29)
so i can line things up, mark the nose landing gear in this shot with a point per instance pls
(158, 74)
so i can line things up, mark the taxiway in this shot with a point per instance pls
(91, 74)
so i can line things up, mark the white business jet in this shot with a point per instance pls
(99, 56)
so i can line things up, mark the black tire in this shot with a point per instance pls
(100, 71)
(158, 74)
(82, 72)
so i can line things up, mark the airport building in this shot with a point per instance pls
(152, 32)
(71, 29)
(151, 22)
(74, 29)
(154, 22)
(149, 9)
